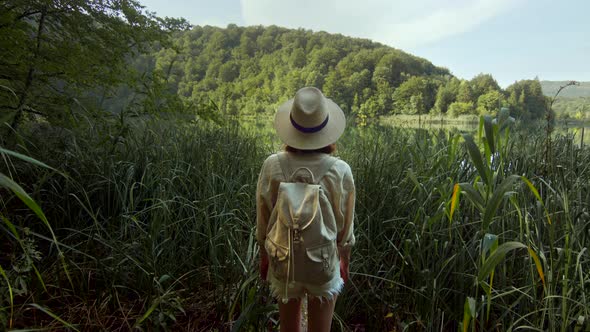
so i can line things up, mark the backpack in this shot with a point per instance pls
(301, 237)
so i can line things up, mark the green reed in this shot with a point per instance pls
(156, 225)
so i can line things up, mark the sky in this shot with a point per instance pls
(510, 39)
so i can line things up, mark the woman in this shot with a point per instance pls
(308, 125)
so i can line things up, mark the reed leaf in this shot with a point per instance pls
(477, 159)
(10, 295)
(54, 316)
(496, 258)
(492, 206)
(535, 192)
(489, 132)
(454, 200)
(537, 265)
(473, 195)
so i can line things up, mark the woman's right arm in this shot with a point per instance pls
(345, 215)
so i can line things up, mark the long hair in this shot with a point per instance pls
(328, 149)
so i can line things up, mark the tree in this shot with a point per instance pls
(324, 58)
(460, 108)
(247, 46)
(390, 69)
(58, 49)
(297, 58)
(490, 102)
(465, 95)
(527, 99)
(229, 71)
(446, 95)
(483, 83)
(414, 96)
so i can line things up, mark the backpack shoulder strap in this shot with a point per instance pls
(284, 163)
(327, 164)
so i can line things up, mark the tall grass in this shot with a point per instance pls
(156, 227)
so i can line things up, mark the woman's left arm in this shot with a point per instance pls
(262, 216)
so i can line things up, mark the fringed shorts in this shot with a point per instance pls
(298, 290)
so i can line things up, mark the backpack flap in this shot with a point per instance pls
(297, 205)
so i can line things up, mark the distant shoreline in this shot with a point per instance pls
(464, 120)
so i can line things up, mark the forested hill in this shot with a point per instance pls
(250, 70)
(580, 90)
(573, 101)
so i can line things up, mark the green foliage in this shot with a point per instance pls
(55, 52)
(577, 108)
(460, 108)
(465, 94)
(482, 84)
(489, 102)
(256, 68)
(160, 224)
(526, 99)
(446, 95)
(414, 96)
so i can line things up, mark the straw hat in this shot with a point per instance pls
(309, 121)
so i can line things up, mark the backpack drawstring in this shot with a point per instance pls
(291, 261)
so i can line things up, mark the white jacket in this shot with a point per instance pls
(337, 183)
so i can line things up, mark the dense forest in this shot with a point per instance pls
(249, 70)
(213, 71)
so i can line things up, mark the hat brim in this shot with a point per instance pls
(309, 141)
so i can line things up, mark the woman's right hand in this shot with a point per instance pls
(344, 253)
(344, 270)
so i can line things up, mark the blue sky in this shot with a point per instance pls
(510, 39)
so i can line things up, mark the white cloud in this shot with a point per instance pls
(402, 24)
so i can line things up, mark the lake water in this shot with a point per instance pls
(579, 133)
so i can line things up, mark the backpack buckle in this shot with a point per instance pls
(296, 234)
(325, 261)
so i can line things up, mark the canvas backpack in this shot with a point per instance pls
(301, 241)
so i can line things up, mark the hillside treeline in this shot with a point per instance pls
(250, 70)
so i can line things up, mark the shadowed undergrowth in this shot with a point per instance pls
(156, 230)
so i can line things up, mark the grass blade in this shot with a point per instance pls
(454, 200)
(468, 312)
(496, 258)
(473, 195)
(489, 131)
(490, 243)
(477, 159)
(54, 316)
(494, 203)
(148, 312)
(26, 158)
(537, 265)
(11, 296)
(30, 202)
(536, 193)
